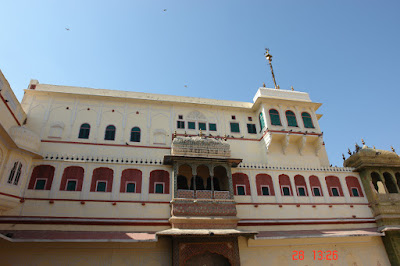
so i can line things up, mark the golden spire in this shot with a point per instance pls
(362, 141)
(269, 58)
(393, 150)
(292, 88)
(263, 84)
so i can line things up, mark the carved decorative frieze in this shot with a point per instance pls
(204, 209)
(200, 146)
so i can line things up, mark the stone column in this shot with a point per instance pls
(55, 187)
(194, 179)
(212, 181)
(116, 183)
(229, 174)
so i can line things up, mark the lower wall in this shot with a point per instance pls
(354, 251)
(154, 253)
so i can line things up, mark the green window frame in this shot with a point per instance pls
(71, 185)
(286, 191)
(84, 131)
(291, 119)
(251, 129)
(241, 190)
(317, 192)
(40, 184)
(131, 187)
(191, 125)
(202, 126)
(302, 191)
(265, 190)
(180, 124)
(212, 126)
(262, 122)
(135, 134)
(307, 121)
(101, 186)
(159, 188)
(110, 133)
(235, 127)
(274, 116)
(354, 192)
(335, 192)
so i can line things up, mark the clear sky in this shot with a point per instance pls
(345, 54)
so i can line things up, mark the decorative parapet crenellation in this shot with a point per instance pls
(200, 146)
(25, 138)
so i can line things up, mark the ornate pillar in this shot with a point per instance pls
(175, 170)
(193, 167)
(229, 174)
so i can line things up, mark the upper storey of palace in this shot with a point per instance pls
(278, 125)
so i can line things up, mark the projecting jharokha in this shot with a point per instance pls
(92, 177)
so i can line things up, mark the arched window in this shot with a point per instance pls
(274, 116)
(307, 120)
(354, 186)
(84, 131)
(315, 186)
(42, 177)
(284, 183)
(241, 185)
(262, 122)
(291, 119)
(110, 133)
(72, 179)
(377, 183)
(389, 182)
(265, 186)
(15, 173)
(159, 182)
(135, 134)
(301, 186)
(102, 180)
(398, 179)
(334, 187)
(131, 181)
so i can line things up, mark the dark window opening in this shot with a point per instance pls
(265, 191)
(182, 182)
(233, 117)
(235, 127)
(110, 133)
(317, 192)
(159, 188)
(241, 190)
(307, 120)
(202, 126)
(101, 186)
(274, 116)
(84, 131)
(291, 119)
(286, 191)
(191, 125)
(135, 134)
(354, 191)
(180, 124)
(131, 187)
(212, 127)
(335, 192)
(251, 128)
(71, 185)
(40, 184)
(180, 116)
(302, 191)
(389, 182)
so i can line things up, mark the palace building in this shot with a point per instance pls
(107, 177)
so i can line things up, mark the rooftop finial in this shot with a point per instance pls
(362, 141)
(393, 150)
(349, 151)
(269, 58)
(175, 134)
(292, 88)
(201, 133)
(373, 147)
(263, 84)
(344, 158)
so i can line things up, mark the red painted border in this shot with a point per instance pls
(274, 203)
(306, 223)
(10, 195)
(9, 109)
(105, 144)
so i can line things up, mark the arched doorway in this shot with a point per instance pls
(208, 259)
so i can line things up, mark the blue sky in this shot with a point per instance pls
(344, 53)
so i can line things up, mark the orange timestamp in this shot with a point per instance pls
(318, 255)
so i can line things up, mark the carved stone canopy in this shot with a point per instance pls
(200, 146)
(368, 157)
